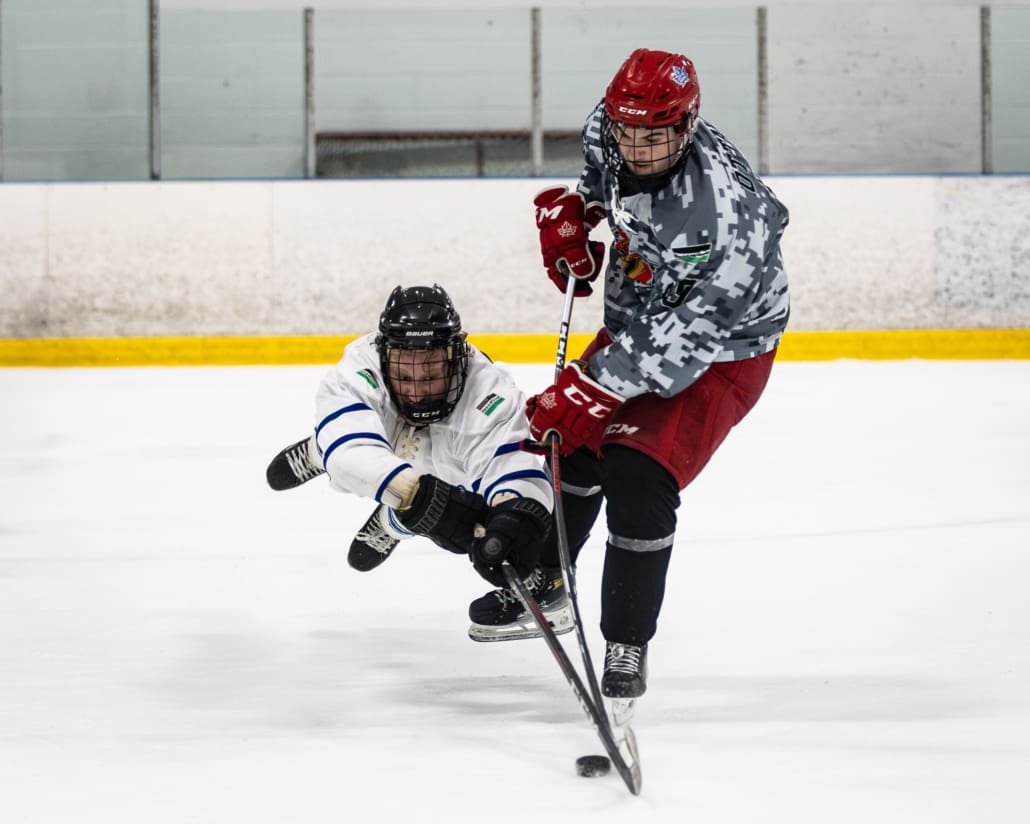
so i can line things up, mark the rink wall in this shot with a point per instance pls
(287, 271)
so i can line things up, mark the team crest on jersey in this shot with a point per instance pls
(633, 266)
(369, 377)
(489, 404)
(680, 76)
(636, 269)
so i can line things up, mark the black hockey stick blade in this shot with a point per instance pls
(623, 754)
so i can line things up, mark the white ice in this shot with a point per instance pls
(846, 634)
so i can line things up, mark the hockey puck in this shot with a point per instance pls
(593, 766)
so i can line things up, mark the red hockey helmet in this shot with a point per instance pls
(653, 89)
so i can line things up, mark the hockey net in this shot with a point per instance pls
(444, 154)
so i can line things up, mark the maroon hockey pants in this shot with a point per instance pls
(682, 432)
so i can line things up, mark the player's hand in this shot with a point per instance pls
(515, 532)
(576, 407)
(564, 220)
(446, 514)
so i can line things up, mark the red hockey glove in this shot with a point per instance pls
(564, 221)
(576, 407)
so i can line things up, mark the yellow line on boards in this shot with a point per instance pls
(213, 351)
(901, 344)
(935, 344)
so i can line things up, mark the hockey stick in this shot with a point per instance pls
(623, 757)
(565, 554)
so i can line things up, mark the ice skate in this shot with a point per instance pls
(625, 671)
(500, 616)
(295, 465)
(374, 542)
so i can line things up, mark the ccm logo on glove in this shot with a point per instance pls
(576, 408)
(548, 400)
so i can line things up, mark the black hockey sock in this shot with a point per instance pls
(632, 590)
(581, 503)
(580, 514)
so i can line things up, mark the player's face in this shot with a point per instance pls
(648, 151)
(419, 375)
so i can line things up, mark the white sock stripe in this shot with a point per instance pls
(640, 544)
(580, 491)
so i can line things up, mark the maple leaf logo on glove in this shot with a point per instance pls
(566, 229)
(547, 400)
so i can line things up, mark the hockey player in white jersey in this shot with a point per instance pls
(416, 418)
(695, 303)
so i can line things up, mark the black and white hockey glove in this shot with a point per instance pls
(445, 514)
(515, 532)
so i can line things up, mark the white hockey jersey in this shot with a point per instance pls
(364, 443)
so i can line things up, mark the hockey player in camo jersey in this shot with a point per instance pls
(695, 303)
(416, 418)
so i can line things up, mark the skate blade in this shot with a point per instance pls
(627, 745)
(623, 710)
(560, 621)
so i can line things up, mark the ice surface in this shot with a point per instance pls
(846, 635)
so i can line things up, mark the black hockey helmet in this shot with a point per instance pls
(422, 353)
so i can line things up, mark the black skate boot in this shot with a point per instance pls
(625, 671)
(373, 543)
(499, 616)
(295, 465)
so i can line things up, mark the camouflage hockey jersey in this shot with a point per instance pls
(364, 443)
(694, 274)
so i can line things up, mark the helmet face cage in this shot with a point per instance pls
(650, 113)
(423, 353)
(642, 154)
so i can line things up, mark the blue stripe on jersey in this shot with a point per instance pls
(511, 476)
(372, 436)
(354, 407)
(387, 479)
(504, 449)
